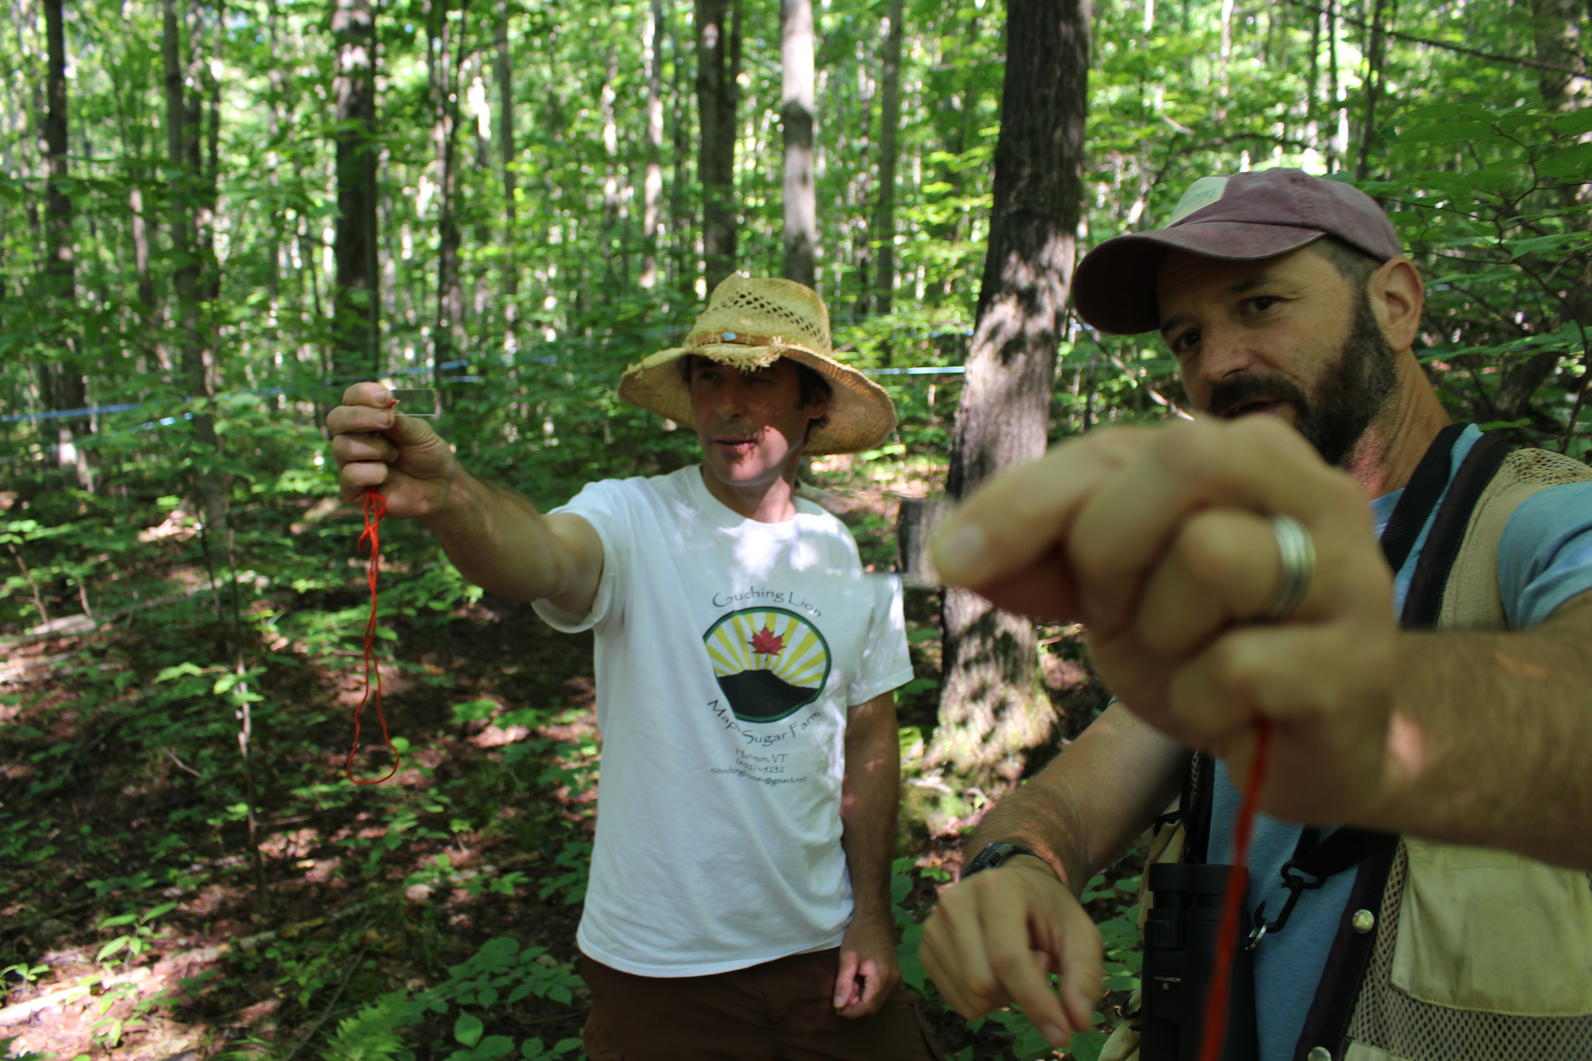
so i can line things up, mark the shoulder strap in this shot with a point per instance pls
(1328, 1017)
(1425, 594)
(1420, 494)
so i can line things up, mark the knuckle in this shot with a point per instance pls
(1204, 546)
(1003, 963)
(1193, 447)
(1232, 671)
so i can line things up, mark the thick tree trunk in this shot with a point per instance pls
(796, 115)
(992, 706)
(356, 353)
(718, 26)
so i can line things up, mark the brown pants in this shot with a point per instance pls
(782, 1010)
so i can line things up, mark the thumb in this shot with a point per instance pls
(846, 979)
(410, 430)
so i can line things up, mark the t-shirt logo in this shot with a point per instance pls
(769, 662)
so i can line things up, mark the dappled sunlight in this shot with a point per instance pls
(350, 876)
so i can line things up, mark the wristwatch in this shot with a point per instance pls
(996, 854)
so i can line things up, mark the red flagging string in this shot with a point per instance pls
(1215, 1031)
(375, 508)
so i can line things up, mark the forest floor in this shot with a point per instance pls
(144, 915)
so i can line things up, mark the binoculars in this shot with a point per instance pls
(1181, 934)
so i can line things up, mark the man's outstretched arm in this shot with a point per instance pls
(496, 537)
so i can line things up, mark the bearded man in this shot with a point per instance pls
(1411, 674)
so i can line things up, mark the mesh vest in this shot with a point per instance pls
(1474, 955)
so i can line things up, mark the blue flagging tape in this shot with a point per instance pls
(58, 414)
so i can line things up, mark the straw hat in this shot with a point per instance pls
(749, 324)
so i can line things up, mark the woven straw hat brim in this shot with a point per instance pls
(861, 414)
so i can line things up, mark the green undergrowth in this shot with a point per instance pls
(185, 868)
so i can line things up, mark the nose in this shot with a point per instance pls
(1224, 351)
(730, 398)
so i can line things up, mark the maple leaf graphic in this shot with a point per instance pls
(766, 643)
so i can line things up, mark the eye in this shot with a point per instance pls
(1184, 342)
(1260, 303)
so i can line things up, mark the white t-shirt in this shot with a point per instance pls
(727, 652)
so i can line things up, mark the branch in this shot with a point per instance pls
(1475, 53)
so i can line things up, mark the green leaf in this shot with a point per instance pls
(1451, 132)
(468, 1029)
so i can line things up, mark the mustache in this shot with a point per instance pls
(1239, 391)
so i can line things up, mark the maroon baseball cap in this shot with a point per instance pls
(1242, 217)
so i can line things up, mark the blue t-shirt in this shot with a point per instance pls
(1544, 559)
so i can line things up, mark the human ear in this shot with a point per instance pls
(1397, 297)
(818, 402)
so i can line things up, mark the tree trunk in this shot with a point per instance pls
(65, 387)
(1338, 121)
(1375, 53)
(190, 280)
(193, 158)
(611, 237)
(442, 64)
(718, 64)
(506, 149)
(992, 706)
(356, 353)
(652, 183)
(889, 125)
(682, 225)
(796, 115)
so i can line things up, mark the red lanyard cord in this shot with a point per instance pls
(1216, 1001)
(375, 509)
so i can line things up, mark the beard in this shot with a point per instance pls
(1351, 393)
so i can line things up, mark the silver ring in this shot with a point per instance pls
(1298, 555)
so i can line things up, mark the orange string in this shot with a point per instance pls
(375, 509)
(1215, 1030)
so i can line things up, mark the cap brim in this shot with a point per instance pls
(1114, 286)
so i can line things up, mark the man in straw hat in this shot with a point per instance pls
(739, 901)
(1239, 601)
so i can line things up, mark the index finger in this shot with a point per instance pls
(1008, 540)
(1020, 945)
(1027, 980)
